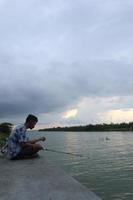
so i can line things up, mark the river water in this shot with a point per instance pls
(106, 166)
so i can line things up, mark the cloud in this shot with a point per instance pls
(53, 55)
(59, 85)
(117, 116)
(70, 114)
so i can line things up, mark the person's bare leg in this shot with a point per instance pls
(29, 152)
(37, 147)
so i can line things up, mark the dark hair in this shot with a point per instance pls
(31, 117)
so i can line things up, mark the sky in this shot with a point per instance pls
(68, 62)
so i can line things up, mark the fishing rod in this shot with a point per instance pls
(56, 151)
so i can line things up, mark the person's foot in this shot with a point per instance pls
(35, 155)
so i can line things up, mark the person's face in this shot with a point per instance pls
(31, 124)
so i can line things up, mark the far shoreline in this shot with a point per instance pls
(94, 128)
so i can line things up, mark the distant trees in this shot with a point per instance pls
(97, 127)
(5, 128)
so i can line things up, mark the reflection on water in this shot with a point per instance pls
(107, 165)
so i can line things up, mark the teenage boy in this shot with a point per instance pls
(19, 145)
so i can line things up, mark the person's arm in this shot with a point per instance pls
(31, 142)
(36, 140)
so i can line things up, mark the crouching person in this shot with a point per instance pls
(19, 145)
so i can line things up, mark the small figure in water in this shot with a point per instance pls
(107, 138)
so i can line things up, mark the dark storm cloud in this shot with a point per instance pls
(62, 85)
(54, 53)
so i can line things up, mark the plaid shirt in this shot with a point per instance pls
(17, 136)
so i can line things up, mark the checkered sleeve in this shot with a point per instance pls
(22, 137)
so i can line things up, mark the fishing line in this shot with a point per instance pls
(63, 152)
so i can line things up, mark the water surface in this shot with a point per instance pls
(107, 163)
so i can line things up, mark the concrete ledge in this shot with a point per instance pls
(38, 179)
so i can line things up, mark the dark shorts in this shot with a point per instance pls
(26, 152)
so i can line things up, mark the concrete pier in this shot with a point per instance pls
(39, 179)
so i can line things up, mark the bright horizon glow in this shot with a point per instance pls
(70, 113)
(112, 116)
(117, 116)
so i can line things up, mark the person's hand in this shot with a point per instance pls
(42, 138)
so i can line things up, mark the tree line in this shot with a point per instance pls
(97, 127)
(5, 128)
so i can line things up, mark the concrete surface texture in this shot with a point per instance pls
(39, 179)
